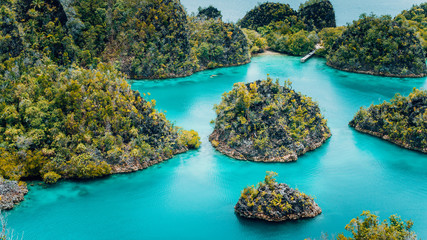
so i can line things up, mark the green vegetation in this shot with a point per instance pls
(209, 12)
(379, 46)
(78, 123)
(327, 37)
(368, 226)
(286, 30)
(403, 120)
(149, 39)
(10, 40)
(416, 18)
(317, 14)
(143, 39)
(299, 43)
(264, 121)
(217, 44)
(257, 43)
(267, 13)
(274, 201)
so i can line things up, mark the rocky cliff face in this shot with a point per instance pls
(275, 202)
(264, 121)
(11, 193)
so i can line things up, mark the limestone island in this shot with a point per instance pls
(402, 121)
(264, 121)
(379, 46)
(80, 123)
(275, 202)
(11, 193)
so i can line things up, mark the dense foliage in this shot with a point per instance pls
(150, 39)
(274, 201)
(380, 46)
(317, 14)
(217, 44)
(10, 39)
(298, 44)
(143, 39)
(288, 31)
(257, 43)
(209, 12)
(327, 37)
(403, 120)
(368, 226)
(43, 24)
(77, 123)
(264, 121)
(267, 13)
(416, 18)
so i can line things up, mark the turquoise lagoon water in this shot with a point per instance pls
(345, 10)
(192, 195)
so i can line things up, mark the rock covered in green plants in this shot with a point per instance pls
(11, 193)
(143, 39)
(264, 121)
(151, 41)
(267, 13)
(217, 44)
(317, 14)
(402, 121)
(378, 46)
(78, 123)
(275, 202)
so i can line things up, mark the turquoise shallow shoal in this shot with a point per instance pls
(192, 195)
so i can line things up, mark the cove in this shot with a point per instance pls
(192, 196)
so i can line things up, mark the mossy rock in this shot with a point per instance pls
(275, 202)
(264, 121)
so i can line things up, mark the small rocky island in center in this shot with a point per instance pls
(275, 202)
(264, 121)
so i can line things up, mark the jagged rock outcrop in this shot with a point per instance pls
(275, 202)
(11, 193)
(264, 121)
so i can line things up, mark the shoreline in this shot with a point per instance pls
(376, 74)
(190, 74)
(387, 138)
(235, 154)
(268, 53)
